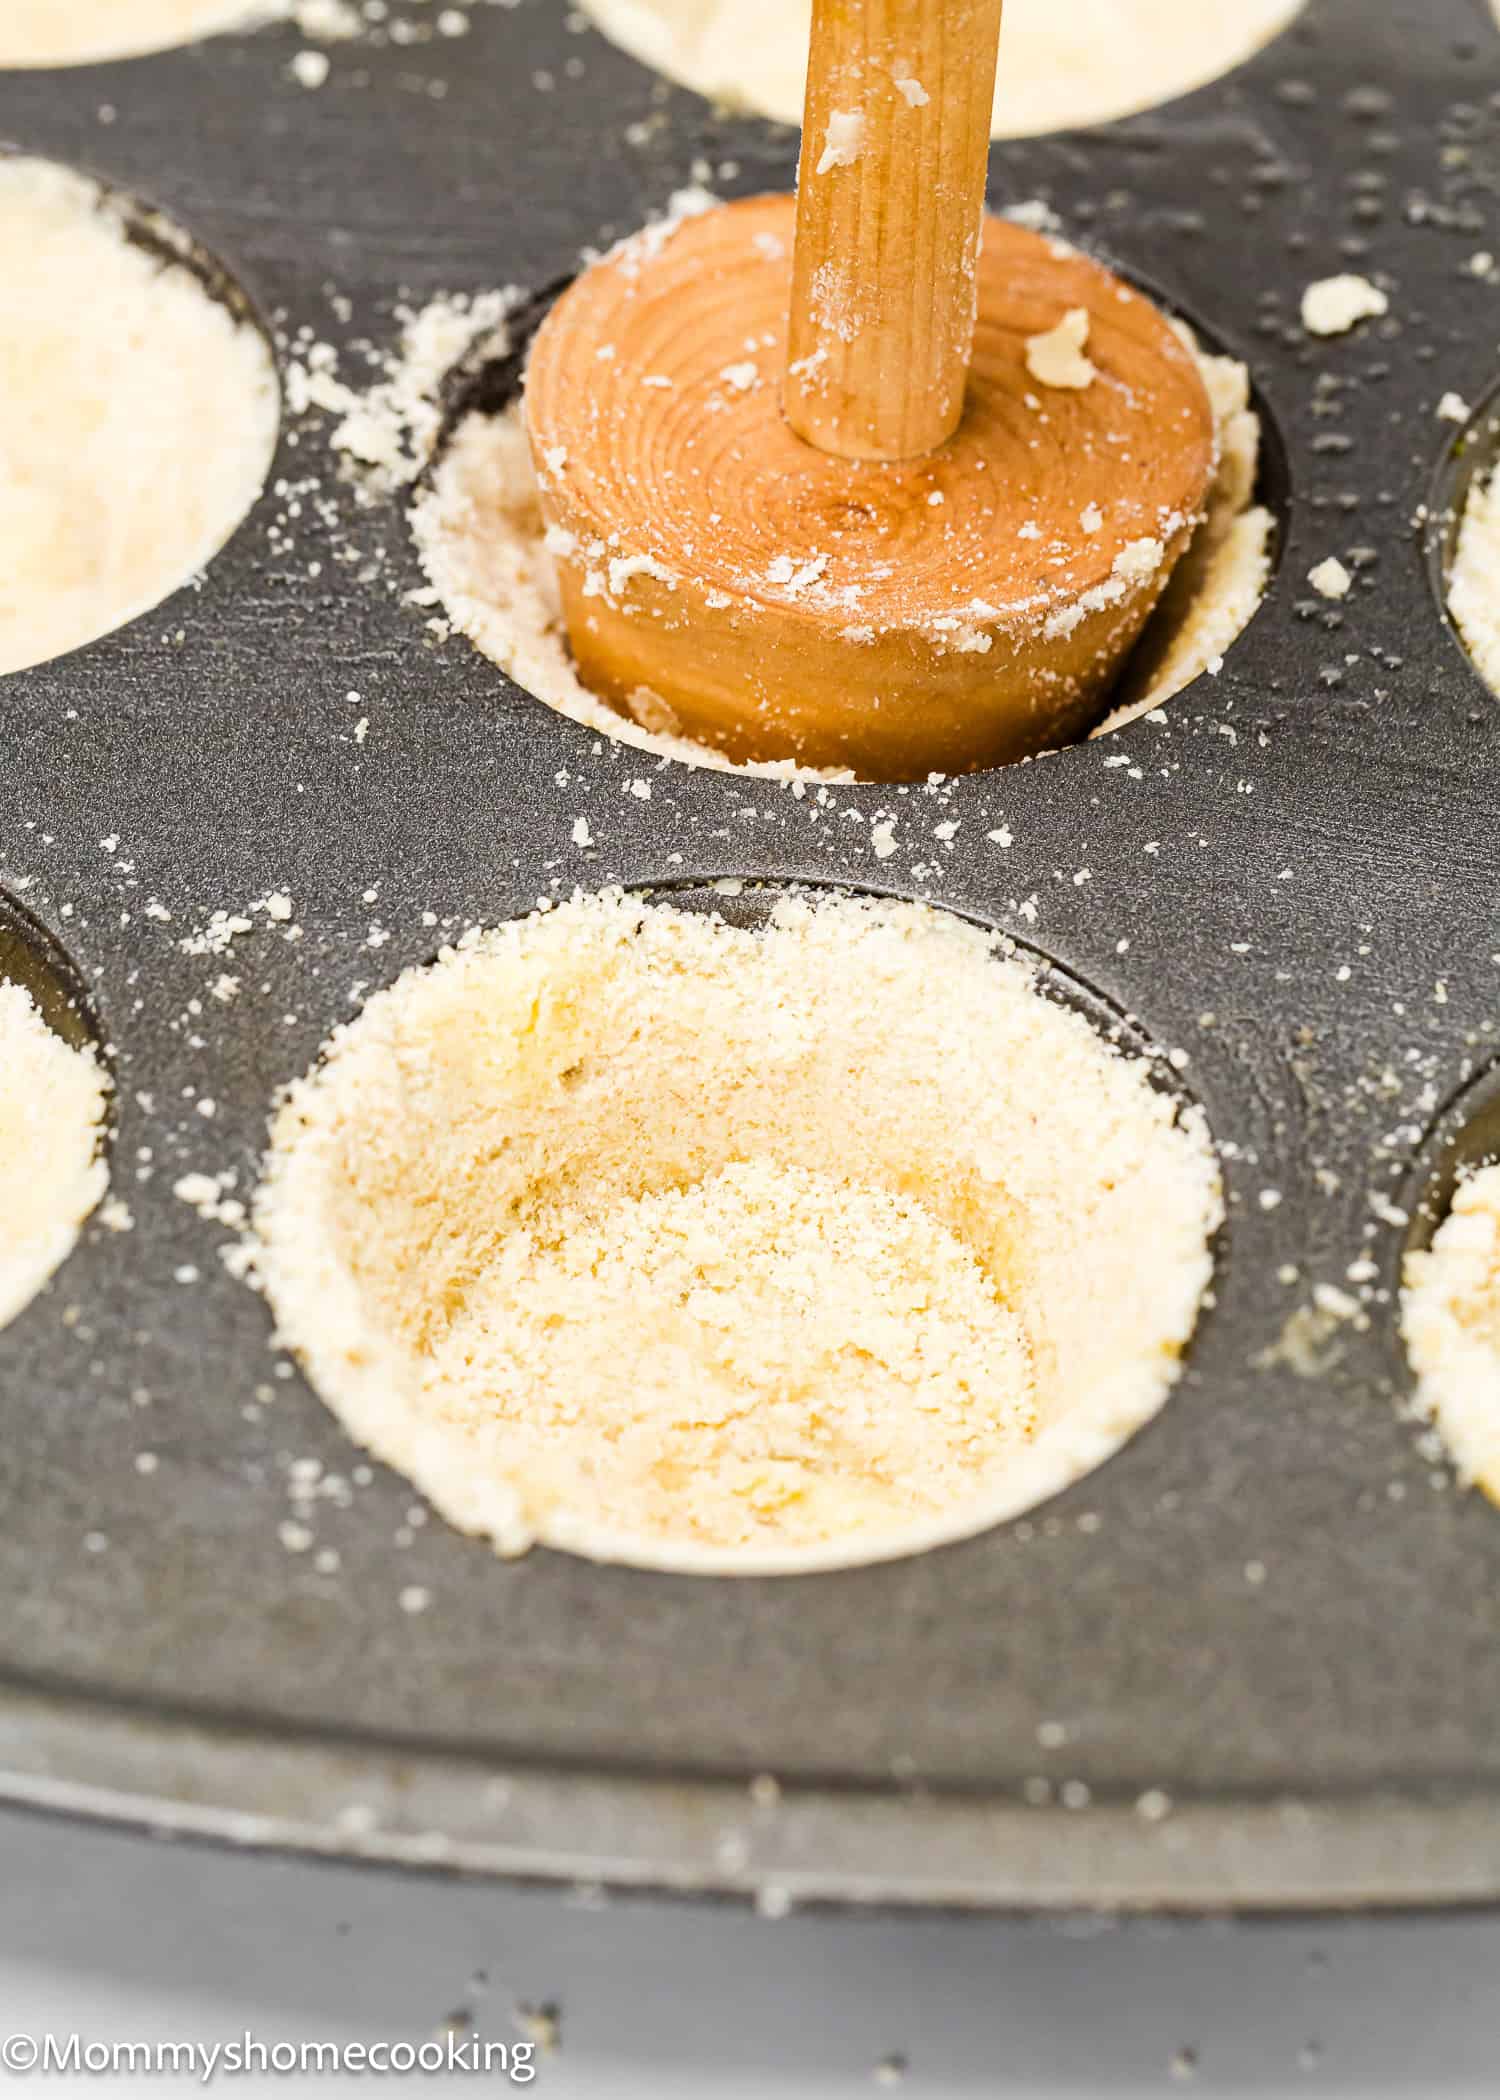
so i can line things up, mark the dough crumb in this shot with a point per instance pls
(1336, 304)
(1330, 579)
(1057, 358)
(843, 141)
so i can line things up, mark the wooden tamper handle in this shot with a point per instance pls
(865, 481)
(895, 149)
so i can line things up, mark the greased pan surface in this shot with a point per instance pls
(1264, 1609)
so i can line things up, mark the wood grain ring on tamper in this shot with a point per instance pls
(724, 579)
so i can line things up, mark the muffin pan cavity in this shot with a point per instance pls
(833, 1258)
(53, 1101)
(144, 410)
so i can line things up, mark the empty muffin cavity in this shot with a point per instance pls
(53, 1098)
(142, 410)
(1060, 67)
(802, 1241)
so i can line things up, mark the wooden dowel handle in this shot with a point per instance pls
(895, 148)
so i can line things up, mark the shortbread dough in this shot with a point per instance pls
(52, 1100)
(83, 32)
(1450, 1312)
(691, 1245)
(1217, 588)
(1060, 66)
(140, 417)
(1474, 582)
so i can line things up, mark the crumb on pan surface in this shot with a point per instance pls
(630, 1231)
(52, 1101)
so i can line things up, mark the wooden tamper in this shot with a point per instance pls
(865, 479)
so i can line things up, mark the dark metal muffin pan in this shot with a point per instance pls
(1264, 1616)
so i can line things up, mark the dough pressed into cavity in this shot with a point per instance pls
(1474, 580)
(1450, 1316)
(734, 1249)
(1060, 66)
(1217, 588)
(52, 1100)
(140, 417)
(86, 32)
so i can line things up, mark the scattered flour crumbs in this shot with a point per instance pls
(633, 1232)
(1450, 1315)
(140, 417)
(479, 533)
(51, 1174)
(1060, 66)
(1474, 582)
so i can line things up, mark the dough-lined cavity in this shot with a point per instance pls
(1060, 67)
(1450, 1315)
(1474, 580)
(52, 1103)
(85, 32)
(698, 1245)
(141, 417)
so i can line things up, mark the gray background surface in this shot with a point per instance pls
(125, 1937)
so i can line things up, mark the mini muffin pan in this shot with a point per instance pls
(1255, 1660)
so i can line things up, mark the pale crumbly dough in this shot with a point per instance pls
(478, 529)
(140, 417)
(1335, 305)
(1474, 580)
(1060, 66)
(52, 1100)
(84, 32)
(1057, 358)
(1217, 587)
(1450, 1315)
(1330, 579)
(667, 1241)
